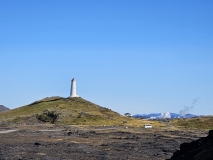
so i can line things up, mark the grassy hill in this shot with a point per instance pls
(200, 123)
(75, 111)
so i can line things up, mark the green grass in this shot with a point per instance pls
(201, 123)
(76, 111)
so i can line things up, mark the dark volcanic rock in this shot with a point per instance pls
(53, 142)
(3, 108)
(197, 150)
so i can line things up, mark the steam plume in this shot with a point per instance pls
(194, 101)
(187, 109)
(184, 111)
(165, 115)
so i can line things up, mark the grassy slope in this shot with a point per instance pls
(194, 123)
(72, 111)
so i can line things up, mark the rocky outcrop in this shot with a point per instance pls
(3, 108)
(197, 150)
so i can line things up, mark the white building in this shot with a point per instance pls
(128, 115)
(73, 88)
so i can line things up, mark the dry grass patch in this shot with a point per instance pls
(201, 123)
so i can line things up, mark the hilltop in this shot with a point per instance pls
(3, 108)
(75, 111)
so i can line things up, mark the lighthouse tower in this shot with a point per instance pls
(73, 88)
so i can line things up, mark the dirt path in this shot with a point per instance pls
(8, 131)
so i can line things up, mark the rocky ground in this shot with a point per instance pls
(197, 150)
(52, 142)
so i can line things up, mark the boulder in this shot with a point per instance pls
(197, 150)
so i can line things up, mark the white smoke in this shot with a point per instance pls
(194, 101)
(152, 117)
(184, 111)
(165, 115)
(187, 109)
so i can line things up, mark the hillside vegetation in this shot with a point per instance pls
(75, 111)
(200, 123)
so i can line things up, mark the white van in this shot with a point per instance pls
(147, 126)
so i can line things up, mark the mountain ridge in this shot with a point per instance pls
(3, 108)
(161, 115)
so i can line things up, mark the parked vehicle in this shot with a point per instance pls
(147, 126)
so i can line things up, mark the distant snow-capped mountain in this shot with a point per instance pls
(3, 108)
(163, 115)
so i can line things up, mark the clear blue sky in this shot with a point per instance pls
(140, 56)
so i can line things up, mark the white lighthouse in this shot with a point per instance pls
(73, 88)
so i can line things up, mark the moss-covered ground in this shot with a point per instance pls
(74, 111)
